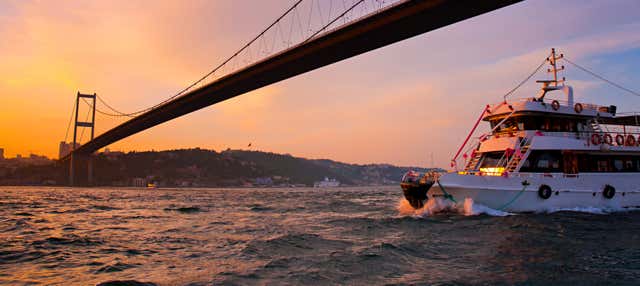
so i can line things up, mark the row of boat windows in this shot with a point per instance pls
(540, 123)
(570, 163)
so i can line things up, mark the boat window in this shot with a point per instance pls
(542, 123)
(543, 164)
(617, 165)
(543, 161)
(628, 165)
(603, 166)
(608, 163)
(491, 159)
(570, 162)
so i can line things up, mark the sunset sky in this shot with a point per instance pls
(396, 105)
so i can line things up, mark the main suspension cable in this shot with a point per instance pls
(213, 70)
(275, 23)
(73, 111)
(104, 112)
(333, 21)
(113, 109)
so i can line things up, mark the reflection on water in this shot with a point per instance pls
(299, 236)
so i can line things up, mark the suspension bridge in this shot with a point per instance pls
(305, 37)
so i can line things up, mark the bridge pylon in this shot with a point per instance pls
(77, 159)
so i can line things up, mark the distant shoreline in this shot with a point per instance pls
(200, 168)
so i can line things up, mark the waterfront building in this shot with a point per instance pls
(66, 148)
(138, 182)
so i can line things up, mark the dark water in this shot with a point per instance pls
(347, 236)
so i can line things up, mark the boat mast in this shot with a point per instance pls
(553, 59)
(549, 85)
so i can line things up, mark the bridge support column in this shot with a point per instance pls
(75, 159)
(90, 170)
(71, 171)
(81, 170)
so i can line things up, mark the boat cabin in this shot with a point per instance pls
(544, 135)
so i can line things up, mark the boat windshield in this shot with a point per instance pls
(412, 177)
(491, 159)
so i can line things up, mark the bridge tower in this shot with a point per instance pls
(77, 159)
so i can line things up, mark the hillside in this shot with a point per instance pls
(208, 168)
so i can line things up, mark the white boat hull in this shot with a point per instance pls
(568, 192)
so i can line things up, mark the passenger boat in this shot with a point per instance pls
(326, 183)
(542, 154)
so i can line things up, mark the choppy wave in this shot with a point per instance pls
(186, 210)
(346, 236)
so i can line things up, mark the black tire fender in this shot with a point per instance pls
(578, 107)
(620, 140)
(544, 192)
(608, 192)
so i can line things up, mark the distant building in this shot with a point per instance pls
(139, 182)
(264, 181)
(66, 148)
(37, 160)
(1, 153)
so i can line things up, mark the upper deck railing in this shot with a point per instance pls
(587, 134)
(563, 102)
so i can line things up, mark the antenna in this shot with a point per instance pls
(432, 165)
(553, 59)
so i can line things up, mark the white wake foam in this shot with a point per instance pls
(435, 206)
(468, 207)
(593, 210)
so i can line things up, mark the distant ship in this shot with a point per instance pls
(326, 183)
(543, 154)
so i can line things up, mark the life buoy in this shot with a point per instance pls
(555, 105)
(544, 192)
(620, 140)
(631, 141)
(608, 139)
(638, 141)
(578, 107)
(608, 192)
(596, 139)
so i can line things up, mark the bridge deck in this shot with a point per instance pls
(396, 23)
